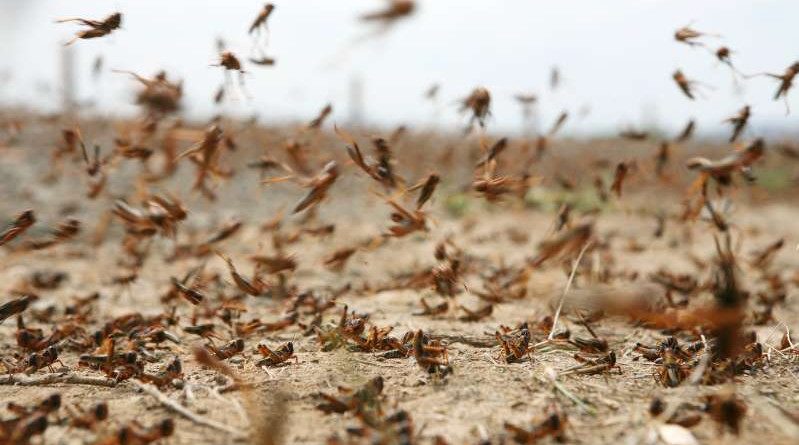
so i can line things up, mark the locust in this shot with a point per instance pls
(381, 171)
(395, 10)
(786, 80)
(526, 99)
(479, 104)
(721, 170)
(30, 421)
(260, 61)
(338, 259)
(22, 223)
(739, 122)
(228, 350)
(591, 365)
(319, 185)
(662, 159)
(685, 85)
(724, 55)
(430, 355)
(277, 356)
(227, 230)
(230, 62)
(763, 257)
(428, 187)
(159, 95)
(622, 168)
(260, 22)
(689, 36)
(493, 186)
(566, 243)
(476, 314)
(366, 398)
(493, 152)
(39, 360)
(205, 155)
(558, 124)
(87, 419)
(515, 348)
(431, 93)
(436, 310)
(554, 425)
(687, 132)
(317, 122)
(555, 78)
(206, 330)
(135, 433)
(634, 134)
(275, 264)
(252, 287)
(727, 410)
(405, 221)
(64, 231)
(97, 28)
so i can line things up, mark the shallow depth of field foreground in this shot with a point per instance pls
(168, 278)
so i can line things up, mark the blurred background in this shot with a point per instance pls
(615, 59)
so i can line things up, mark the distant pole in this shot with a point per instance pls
(356, 101)
(535, 120)
(67, 80)
(531, 122)
(649, 116)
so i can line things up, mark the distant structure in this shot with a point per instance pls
(531, 120)
(11, 24)
(650, 117)
(68, 84)
(355, 104)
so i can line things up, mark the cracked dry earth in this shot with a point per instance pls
(482, 392)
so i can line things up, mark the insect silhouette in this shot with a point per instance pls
(689, 36)
(622, 168)
(22, 223)
(262, 61)
(724, 55)
(479, 103)
(685, 85)
(260, 22)
(395, 10)
(555, 78)
(15, 307)
(687, 132)
(786, 82)
(320, 119)
(722, 170)
(319, 185)
(97, 28)
(739, 122)
(277, 356)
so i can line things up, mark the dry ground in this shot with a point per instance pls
(470, 404)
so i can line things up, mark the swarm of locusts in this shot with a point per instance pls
(225, 283)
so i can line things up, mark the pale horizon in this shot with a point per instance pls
(616, 58)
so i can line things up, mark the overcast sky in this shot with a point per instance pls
(616, 57)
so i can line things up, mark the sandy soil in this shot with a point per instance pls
(468, 406)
